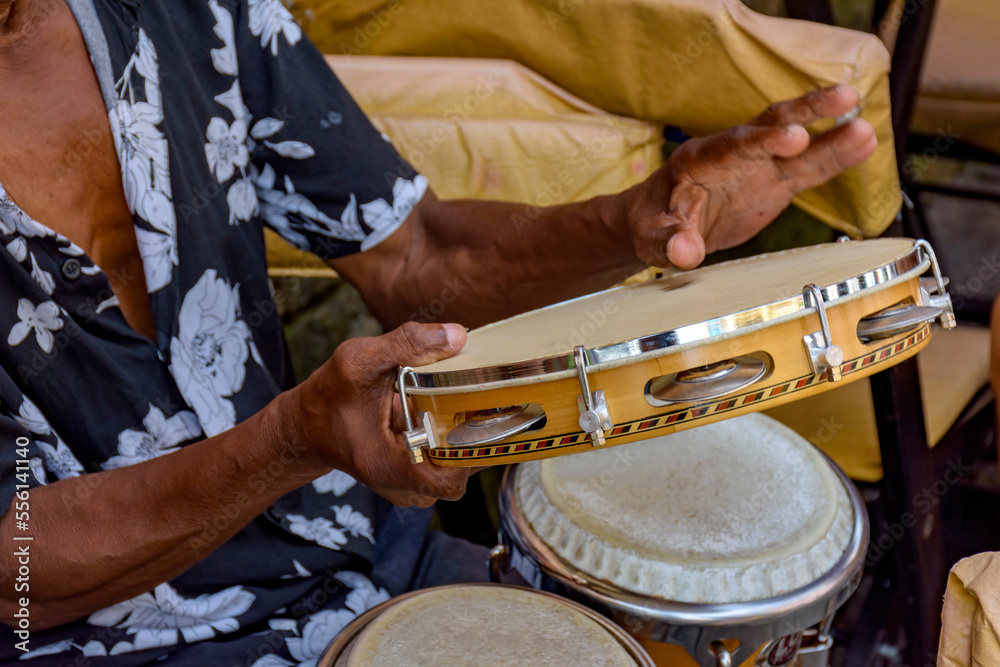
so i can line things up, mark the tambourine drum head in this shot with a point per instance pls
(632, 312)
(735, 511)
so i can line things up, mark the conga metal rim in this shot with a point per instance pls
(599, 358)
(795, 610)
(345, 639)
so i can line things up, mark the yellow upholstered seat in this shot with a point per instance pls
(490, 129)
(841, 422)
(699, 65)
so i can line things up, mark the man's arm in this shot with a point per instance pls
(106, 537)
(475, 261)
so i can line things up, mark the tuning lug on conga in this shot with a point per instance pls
(594, 416)
(416, 437)
(824, 356)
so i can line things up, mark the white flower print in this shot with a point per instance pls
(31, 418)
(224, 59)
(266, 128)
(271, 660)
(385, 219)
(268, 20)
(161, 436)
(13, 219)
(317, 635)
(337, 482)
(209, 354)
(243, 202)
(354, 522)
(59, 460)
(291, 214)
(300, 571)
(37, 467)
(319, 530)
(323, 627)
(226, 148)
(43, 278)
(43, 320)
(144, 156)
(232, 99)
(49, 649)
(365, 595)
(292, 149)
(160, 618)
(18, 249)
(159, 255)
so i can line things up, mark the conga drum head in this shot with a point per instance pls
(737, 531)
(465, 625)
(730, 512)
(675, 352)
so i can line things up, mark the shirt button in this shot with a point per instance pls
(71, 269)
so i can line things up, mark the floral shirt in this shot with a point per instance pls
(225, 119)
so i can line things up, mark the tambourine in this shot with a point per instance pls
(678, 351)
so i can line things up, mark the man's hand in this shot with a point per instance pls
(349, 411)
(720, 191)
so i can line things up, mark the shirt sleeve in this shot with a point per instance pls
(326, 179)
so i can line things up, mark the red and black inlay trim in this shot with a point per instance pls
(652, 424)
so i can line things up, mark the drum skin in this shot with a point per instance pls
(790, 379)
(338, 652)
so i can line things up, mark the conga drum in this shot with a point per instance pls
(733, 543)
(676, 352)
(499, 626)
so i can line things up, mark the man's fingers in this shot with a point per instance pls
(415, 344)
(753, 143)
(664, 240)
(829, 155)
(823, 103)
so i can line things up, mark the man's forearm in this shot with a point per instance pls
(106, 537)
(474, 262)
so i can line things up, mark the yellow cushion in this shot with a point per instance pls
(970, 621)
(490, 129)
(700, 65)
(841, 422)
(960, 83)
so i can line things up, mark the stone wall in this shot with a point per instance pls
(319, 314)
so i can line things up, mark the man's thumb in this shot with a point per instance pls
(415, 344)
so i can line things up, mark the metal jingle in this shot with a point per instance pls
(881, 326)
(705, 382)
(890, 311)
(486, 426)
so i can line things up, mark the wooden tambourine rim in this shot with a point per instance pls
(347, 636)
(660, 423)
